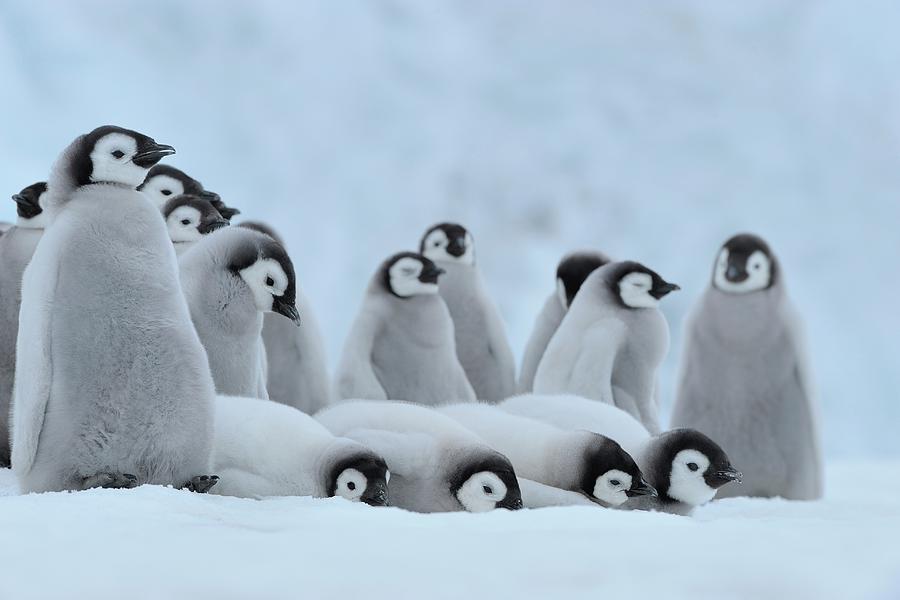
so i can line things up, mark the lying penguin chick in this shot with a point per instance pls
(481, 344)
(571, 272)
(297, 368)
(230, 279)
(188, 219)
(263, 448)
(436, 465)
(611, 342)
(16, 248)
(578, 461)
(685, 466)
(745, 376)
(401, 345)
(164, 182)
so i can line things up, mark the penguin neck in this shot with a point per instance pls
(743, 318)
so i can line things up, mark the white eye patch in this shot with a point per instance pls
(351, 484)
(611, 487)
(183, 223)
(265, 279)
(481, 492)
(759, 273)
(111, 161)
(404, 278)
(634, 289)
(686, 482)
(162, 188)
(435, 248)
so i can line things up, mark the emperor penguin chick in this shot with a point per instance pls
(297, 370)
(578, 461)
(745, 377)
(266, 449)
(436, 465)
(16, 248)
(611, 342)
(481, 343)
(571, 272)
(112, 384)
(401, 345)
(685, 466)
(188, 219)
(230, 279)
(164, 182)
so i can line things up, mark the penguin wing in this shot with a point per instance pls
(406, 454)
(544, 327)
(355, 377)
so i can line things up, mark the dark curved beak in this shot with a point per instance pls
(641, 489)
(376, 494)
(20, 199)
(661, 290)
(456, 247)
(511, 502)
(212, 225)
(719, 478)
(286, 309)
(736, 273)
(152, 154)
(431, 274)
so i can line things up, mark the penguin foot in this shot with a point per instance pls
(201, 483)
(114, 481)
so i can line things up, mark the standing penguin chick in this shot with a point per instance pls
(230, 279)
(578, 461)
(481, 344)
(685, 466)
(401, 346)
(571, 272)
(297, 371)
(164, 182)
(744, 375)
(112, 384)
(188, 219)
(266, 449)
(611, 342)
(436, 464)
(16, 248)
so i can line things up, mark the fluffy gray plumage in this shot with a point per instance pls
(111, 379)
(744, 381)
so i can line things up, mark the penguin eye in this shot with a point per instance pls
(757, 266)
(166, 192)
(692, 466)
(436, 244)
(270, 282)
(117, 154)
(487, 489)
(351, 486)
(185, 221)
(615, 482)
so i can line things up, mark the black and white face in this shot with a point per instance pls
(487, 484)
(189, 218)
(744, 265)
(699, 467)
(449, 242)
(30, 207)
(411, 274)
(611, 475)
(362, 479)
(269, 283)
(124, 158)
(639, 287)
(162, 188)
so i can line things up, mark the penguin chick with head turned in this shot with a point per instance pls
(611, 342)
(571, 272)
(577, 461)
(745, 378)
(686, 467)
(436, 465)
(112, 384)
(297, 373)
(266, 449)
(188, 219)
(481, 344)
(164, 182)
(401, 345)
(231, 278)
(16, 248)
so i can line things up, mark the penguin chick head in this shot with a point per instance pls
(691, 467)
(29, 207)
(164, 182)
(267, 270)
(448, 242)
(362, 477)
(636, 286)
(485, 483)
(745, 264)
(611, 475)
(189, 218)
(111, 154)
(409, 274)
(571, 272)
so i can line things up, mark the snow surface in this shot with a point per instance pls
(156, 542)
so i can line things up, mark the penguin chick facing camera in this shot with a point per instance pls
(745, 377)
(401, 345)
(188, 219)
(165, 182)
(231, 278)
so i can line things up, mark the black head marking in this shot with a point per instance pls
(740, 247)
(659, 288)
(81, 166)
(27, 201)
(497, 464)
(605, 455)
(574, 268)
(210, 219)
(193, 187)
(262, 228)
(375, 471)
(456, 238)
(261, 247)
(430, 271)
(670, 443)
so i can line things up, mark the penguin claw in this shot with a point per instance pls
(113, 481)
(202, 483)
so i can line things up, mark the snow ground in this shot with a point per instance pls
(157, 543)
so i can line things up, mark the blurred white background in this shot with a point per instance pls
(649, 130)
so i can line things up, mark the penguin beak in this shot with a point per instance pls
(376, 494)
(212, 225)
(151, 154)
(212, 197)
(286, 309)
(661, 290)
(456, 247)
(511, 503)
(641, 489)
(20, 199)
(719, 478)
(431, 274)
(735, 273)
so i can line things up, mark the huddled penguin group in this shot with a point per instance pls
(146, 340)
